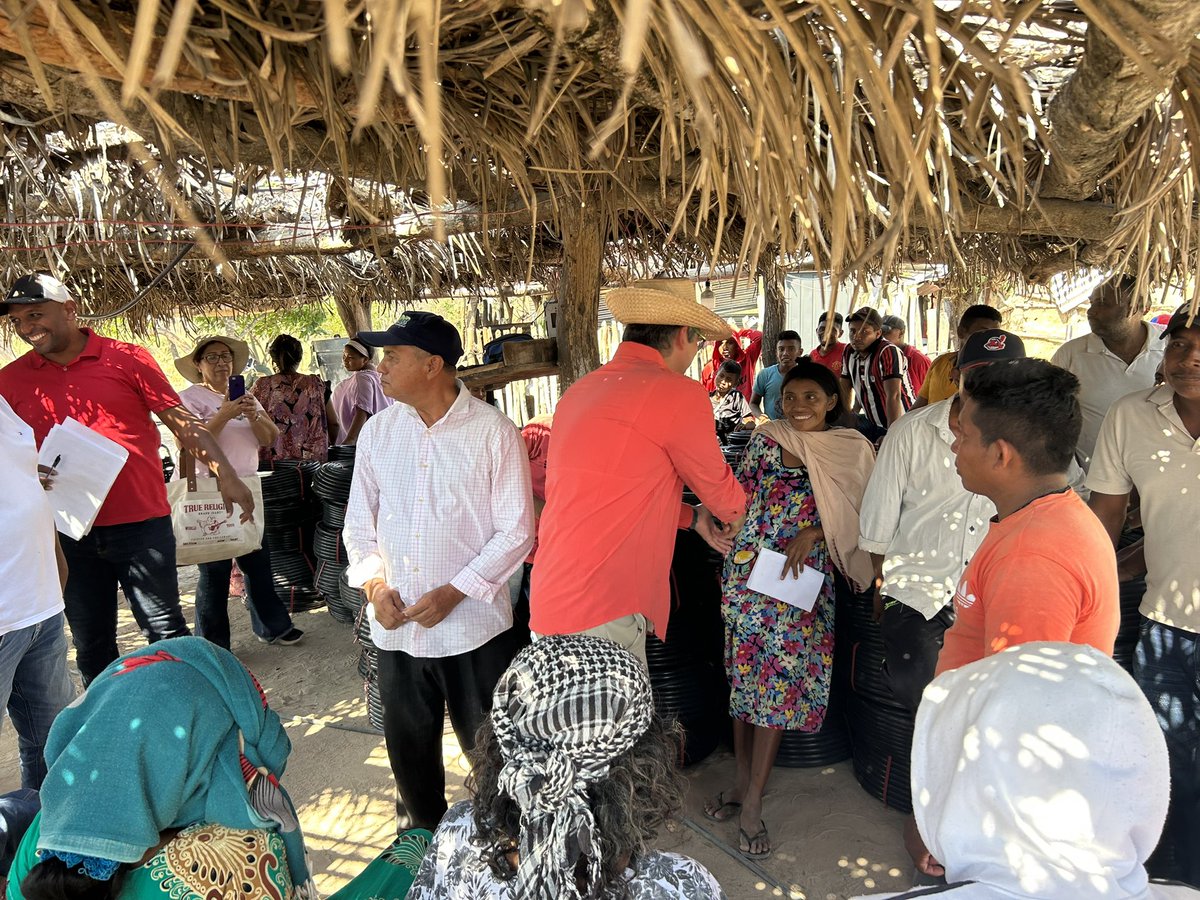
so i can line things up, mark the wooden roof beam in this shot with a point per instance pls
(218, 80)
(1090, 116)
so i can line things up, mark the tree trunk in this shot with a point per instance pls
(583, 233)
(355, 314)
(774, 300)
(1109, 92)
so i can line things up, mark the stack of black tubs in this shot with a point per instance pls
(289, 511)
(332, 484)
(686, 668)
(368, 658)
(881, 729)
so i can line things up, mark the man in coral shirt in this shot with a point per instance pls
(1046, 570)
(627, 438)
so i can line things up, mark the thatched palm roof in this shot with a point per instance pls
(1035, 136)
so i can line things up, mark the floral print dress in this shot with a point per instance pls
(295, 403)
(779, 659)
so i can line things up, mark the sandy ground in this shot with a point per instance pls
(832, 840)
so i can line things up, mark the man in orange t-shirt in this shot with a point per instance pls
(1045, 571)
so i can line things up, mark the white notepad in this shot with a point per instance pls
(88, 464)
(799, 592)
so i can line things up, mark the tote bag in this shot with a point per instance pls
(204, 531)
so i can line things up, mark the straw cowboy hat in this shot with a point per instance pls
(186, 365)
(665, 301)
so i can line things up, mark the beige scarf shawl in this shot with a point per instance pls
(839, 463)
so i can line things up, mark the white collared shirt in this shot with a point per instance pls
(1104, 378)
(1144, 444)
(917, 515)
(445, 504)
(29, 588)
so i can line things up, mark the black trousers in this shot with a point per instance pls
(416, 693)
(911, 645)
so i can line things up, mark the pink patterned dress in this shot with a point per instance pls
(295, 403)
(779, 659)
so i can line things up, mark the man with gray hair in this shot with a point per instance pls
(440, 515)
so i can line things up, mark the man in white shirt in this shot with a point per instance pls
(440, 515)
(921, 527)
(1120, 356)
(1150, 440)
(34, 682)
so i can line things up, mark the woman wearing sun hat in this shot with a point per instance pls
(240, 426)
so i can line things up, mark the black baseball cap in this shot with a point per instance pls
(894, 323)
(424, 330)
(992, 345)
(867, 316)
(36, 287)
(1179, 319)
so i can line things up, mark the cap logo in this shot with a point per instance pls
(996, 342)
(403, 321)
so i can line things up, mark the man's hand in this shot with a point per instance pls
(46, 477)
(389, 608)
(800, 549)
(920, 854)
(877, 603)
(1131, 561)
(233, 490)
(719, 537)
(434, 606)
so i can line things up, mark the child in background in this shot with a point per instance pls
(731, 409)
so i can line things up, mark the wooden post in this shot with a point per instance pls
(355, 314)
(774, 300)
(583, 233)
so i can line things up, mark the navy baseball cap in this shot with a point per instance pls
(425, 330)
(37, 287)
(1179, 319)
(992, 345)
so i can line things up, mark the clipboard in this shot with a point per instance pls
(88, 464)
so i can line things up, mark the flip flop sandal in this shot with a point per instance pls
(722, 805)
(761, 835)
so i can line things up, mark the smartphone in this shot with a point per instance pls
(237, 386)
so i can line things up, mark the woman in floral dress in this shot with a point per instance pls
(296, 404)
(804, 482)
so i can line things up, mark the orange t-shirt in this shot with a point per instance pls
(1045, 573)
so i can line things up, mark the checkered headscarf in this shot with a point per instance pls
(566, 707)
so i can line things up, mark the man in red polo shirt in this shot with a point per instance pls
(112, 388)
(627, 438)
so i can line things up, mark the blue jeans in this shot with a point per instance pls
(268, 616)
(34, 687)
(17, 811)
(1167, 668)
(138, 556)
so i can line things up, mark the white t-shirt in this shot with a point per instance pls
(1104, 378)
(1144, 444)
(29, 588)
(236, 440)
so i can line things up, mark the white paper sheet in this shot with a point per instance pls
(88, 464)
(799, 592)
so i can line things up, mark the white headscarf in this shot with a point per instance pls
(1041, 772)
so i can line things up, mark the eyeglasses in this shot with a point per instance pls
(214, 358)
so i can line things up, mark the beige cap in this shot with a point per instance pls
(665, 301)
